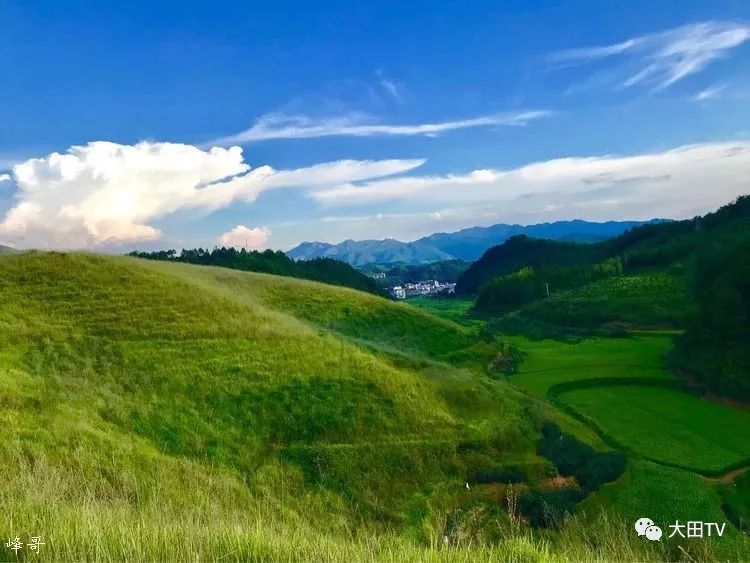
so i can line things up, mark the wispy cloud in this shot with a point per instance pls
(282, 126)
(393, 90)
(710, 93)
(672, 183)
(660, 60)
(5, 178)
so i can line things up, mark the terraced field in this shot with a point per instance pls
(668, 425)
(551, 362)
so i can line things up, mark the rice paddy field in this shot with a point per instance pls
(668, 425)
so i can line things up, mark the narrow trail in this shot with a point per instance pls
(732, 475)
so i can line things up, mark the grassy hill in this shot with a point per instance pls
(158, 410)
(154, 410)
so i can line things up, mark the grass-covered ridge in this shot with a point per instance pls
(154, 410)
(158, 411)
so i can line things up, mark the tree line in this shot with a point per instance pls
(325, 270)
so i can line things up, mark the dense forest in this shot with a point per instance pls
(692, 275)
(324, 270)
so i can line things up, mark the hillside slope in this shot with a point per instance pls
(159, 411)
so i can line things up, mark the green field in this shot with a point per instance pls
(454, 309)
(666, 495)
(551, 362)
(655, 420)
(668, 425)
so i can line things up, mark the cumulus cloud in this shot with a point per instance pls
(107, 193)
(5, 178)
(244, 237)
(283, 126)
(673, 183)
(660, 60)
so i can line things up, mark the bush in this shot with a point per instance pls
(574, 458)
(602, 468)
(547, 509)
(497, 475)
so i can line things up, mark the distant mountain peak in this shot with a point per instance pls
(466, 244)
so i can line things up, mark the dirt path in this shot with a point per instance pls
(732, 475)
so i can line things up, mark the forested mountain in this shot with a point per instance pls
(692, 274)
(715, 349)
(324, 270)
(522, 251)
(467, 244)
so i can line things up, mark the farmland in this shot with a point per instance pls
(667, 425)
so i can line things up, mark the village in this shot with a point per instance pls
(422, 288)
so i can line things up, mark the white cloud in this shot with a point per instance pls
(5, 178)
(660, 60)
(393, 90)
(710, 93)
(106, 193)
(244, 237)
(672, 183)
(282, 126)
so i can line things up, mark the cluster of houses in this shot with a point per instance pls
(429, 287)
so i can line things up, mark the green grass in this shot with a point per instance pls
(551, 362)
(667, 425)
(736, 497)
(454, 309)
(645, 300)
(156, 411)
(161, 411)
(666, 495)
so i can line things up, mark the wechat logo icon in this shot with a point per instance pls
(646, 527)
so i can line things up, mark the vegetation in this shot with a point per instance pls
(715, 350)
(692, 275)
(607, 307)
(736, 500)
(454, 309)
(572, 458)
(324, 270)
(576, 459)
(668, 425)
(511, 291)
(520, 252)
(155, 410)
(152, 409)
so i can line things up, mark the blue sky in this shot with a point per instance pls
(362, 119)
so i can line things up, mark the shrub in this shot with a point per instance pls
(497, 475)
(573, 457)
(547, 509)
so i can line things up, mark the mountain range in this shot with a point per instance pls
(466, 244)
